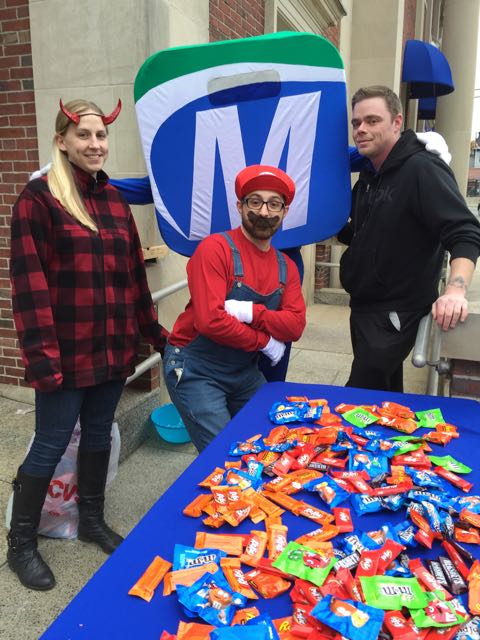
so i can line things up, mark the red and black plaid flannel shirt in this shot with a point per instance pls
(79, 298)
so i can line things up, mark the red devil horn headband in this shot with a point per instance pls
(75, 117)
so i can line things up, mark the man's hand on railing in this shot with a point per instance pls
(450, 308)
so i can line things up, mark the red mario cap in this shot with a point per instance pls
(261, 176)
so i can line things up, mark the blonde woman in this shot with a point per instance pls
(80, 297)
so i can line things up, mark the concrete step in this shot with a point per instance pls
(133, 416)
(330, 295)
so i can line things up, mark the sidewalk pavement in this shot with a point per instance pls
(322, 356)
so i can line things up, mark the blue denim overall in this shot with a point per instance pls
(209, 382)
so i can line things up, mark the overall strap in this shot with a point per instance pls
(282, 268)
(237, 261)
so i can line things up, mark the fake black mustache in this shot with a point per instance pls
(261, 222)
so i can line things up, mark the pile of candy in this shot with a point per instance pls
(344, 583)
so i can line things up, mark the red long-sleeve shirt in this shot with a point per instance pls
(79, 297)
(210, 278)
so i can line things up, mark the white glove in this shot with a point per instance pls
(41, 172)
(435, 143)
(240, 309)
(274, 349)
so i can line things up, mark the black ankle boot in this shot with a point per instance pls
(92, 476)
(22, 556)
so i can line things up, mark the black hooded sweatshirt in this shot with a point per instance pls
(403, 218)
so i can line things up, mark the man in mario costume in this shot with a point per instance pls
(245, 299)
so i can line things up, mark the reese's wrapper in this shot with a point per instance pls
(145, 587)
(474, 589)
(352, 619)
(391, 593)
(193, 631)
(305, 563)
(267, 584)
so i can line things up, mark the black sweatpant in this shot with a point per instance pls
(379, 348)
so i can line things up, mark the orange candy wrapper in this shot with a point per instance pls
(276, 539)
(244, 615)
(474, 589)
(195, 508)
(267, 585)
(145, 587)
(236, 578)
(231, 544)
(186, 577)
(193, 631)
(214, 479)
(262, 502)
(255, 548)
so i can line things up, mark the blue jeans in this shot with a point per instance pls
(55, 419)
(207, 393)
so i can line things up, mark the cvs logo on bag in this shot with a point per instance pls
(63, 490)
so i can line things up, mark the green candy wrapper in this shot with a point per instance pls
(438, 613)
(450, 464)
(429, 418)
(391, 594)
(359, 417)
(305, 563)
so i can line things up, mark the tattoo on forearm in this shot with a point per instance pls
(458, 281)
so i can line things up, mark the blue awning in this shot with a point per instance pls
(426, 70)
(427, 108)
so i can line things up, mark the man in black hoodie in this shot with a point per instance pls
(406, 211)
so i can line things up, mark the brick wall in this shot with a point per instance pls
(409, 13)
(230, 19)
(19, 157)
(465, 379)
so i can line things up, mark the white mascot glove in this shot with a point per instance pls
(239, 309)
(41, 172)
(274, 350)
(435, 143)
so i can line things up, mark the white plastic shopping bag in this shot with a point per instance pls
(60, 512)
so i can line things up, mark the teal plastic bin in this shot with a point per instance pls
(169, 424)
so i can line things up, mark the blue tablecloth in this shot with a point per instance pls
(104, 610)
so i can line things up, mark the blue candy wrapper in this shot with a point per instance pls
(328, 490)
(352, 619)
(284, 413)
(211, 598)
(188, 557)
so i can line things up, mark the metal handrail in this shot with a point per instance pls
(156, 358)
(438, 366)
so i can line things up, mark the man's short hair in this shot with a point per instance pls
(379, 91)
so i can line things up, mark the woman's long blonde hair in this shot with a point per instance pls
(61, 181)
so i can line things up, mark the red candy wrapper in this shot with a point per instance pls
(343, 519)
(458, 482)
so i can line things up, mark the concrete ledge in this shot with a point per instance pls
(133, 417)
(133, 414)
(330, 295)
